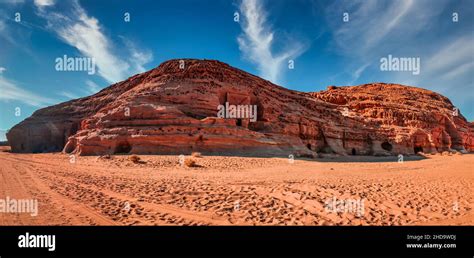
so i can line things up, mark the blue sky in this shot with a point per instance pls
(325, 49)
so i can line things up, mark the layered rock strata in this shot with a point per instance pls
(173, 109)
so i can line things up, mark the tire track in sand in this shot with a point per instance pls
(139, 212)
(52, 205)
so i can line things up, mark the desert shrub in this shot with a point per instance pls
(107, 156)
(190, 163)
(135, 159)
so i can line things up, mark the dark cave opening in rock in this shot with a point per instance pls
(387, 146)
(417, 149)
(308, 146)
(123, 148)
(353, 151)
(239, 122)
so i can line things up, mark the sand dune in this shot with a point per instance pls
(239, 191)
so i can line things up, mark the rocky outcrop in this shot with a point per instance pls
(408, 119)
(174, 109)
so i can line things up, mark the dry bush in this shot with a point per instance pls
(196, 155)
(135, 159)
(106, 156)
(190, 163)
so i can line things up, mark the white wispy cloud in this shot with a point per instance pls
(357, 73)
(449, 69)
(257, 40)
(13, 34)
(3, 136)
(92, 87)
(406, 28)
(41, 3)
(12, 92)
(5, 32)
(389, 22)
(452, 55)
(13, 1)
(379, 26)
(138, 57)
(68, 95)
(86, 34)
(460, 70)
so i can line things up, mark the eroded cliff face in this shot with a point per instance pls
(174, 110)
(410, 119)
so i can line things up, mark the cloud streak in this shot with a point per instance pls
(375, 26)
(452, 55)
(92, 87)
(68, 95)
(257, 40)
(11, 92)
(407, 28)
(85, 33)
(41, 3)
(3, 136)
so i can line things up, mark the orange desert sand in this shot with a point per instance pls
(237, 191)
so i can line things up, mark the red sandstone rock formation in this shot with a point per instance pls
(410, 119)
(173, 110)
